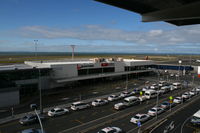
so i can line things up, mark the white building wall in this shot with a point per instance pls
(119, 66)
(64, 70)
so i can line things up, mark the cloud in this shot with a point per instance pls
(179, 35)
(155, 33)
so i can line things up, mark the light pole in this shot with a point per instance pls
(73, 47)
(40, 89)
(39, 78)
(34, 107)
(179, 69)
(36, 43)
(157, 100)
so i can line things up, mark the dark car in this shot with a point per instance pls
(29, 119)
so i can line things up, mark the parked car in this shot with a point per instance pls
(57, 112)
(177, 100)
(195, 119)
(113, 97)
(193, 92)
(99, 102)
(32, 130)
(186, 95)
(29, 119)
(128, 101)
(166, 105)
(162, 83)
(142, 98)
(119, 106)
(154, 86)
(79, 105)
(198, 89)
(132, 100)
(125, 94)
(177, 85)
(165, 89)
(150, 94)
(111, 130)
(136, 91)
(139, 117)
(155, 110)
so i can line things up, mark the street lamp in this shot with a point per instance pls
(180, 61)
(34, 107)
(40, 89)
(36, 43)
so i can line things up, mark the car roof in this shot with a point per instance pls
(57, 108)
(107, 129)
(131, 97)
(98, 99)
(140, 115)
(197, 114)
(77, 102)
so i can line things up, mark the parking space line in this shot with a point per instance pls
(94, 113)
(78, 121)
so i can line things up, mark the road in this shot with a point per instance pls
(77, 118)
(179, 118)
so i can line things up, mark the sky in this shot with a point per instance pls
(91, 26)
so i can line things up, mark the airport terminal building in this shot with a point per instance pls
(24, 79)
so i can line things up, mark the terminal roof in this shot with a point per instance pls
(177, 12)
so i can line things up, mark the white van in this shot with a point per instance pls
(162, 83)
(79, 105)
(132, 100)
(195, 119)
(176, 85)
(165, 89)
(150, 94)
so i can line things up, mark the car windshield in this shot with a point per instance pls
(196, 118)
(136, 117)
(101, 131)
(153, 110)
(165, 103)
(52, 110)
(25, 117)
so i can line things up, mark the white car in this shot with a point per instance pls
(154, 110)
(79, 105)
(177, 100)
(119, 106)
(154, 86)
(193, 92)
(113, 98)
(99, 102)
(111, 130)
(139, 117)
(142, 98)
(57, 112)
(186, 95)
(198, 90)
(125, 94)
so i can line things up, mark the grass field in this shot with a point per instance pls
(11, 59)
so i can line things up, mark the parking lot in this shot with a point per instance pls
(95, 118)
